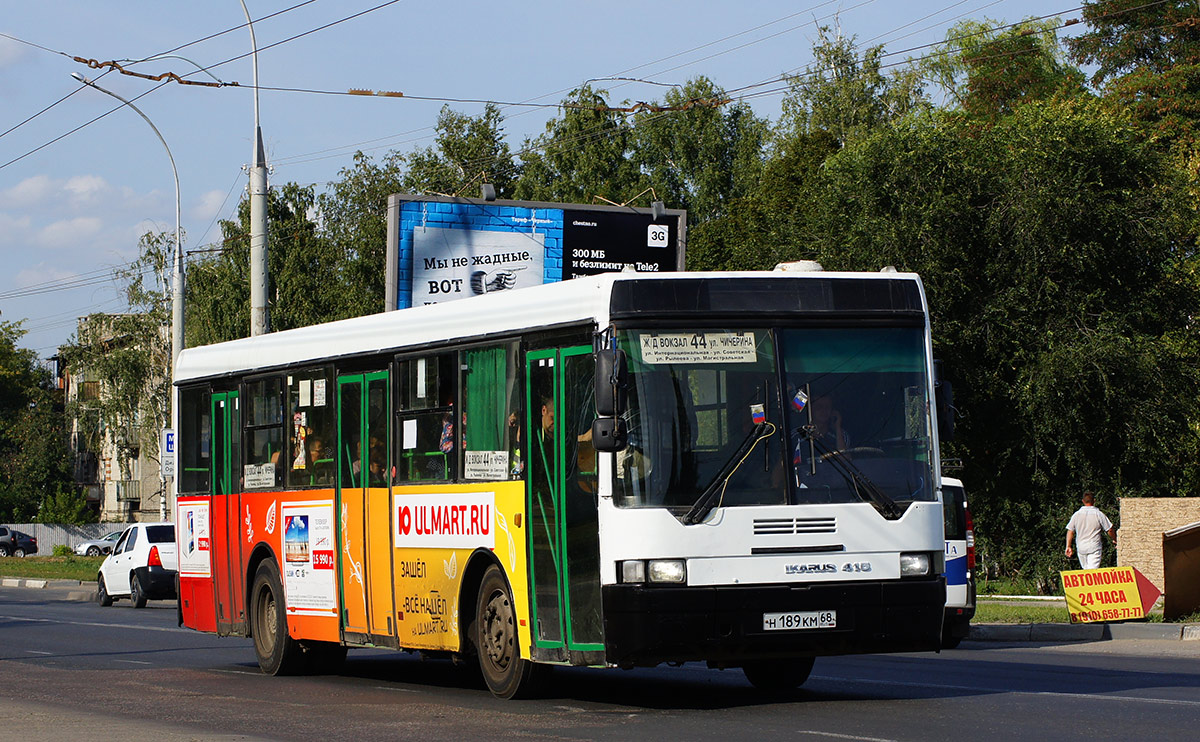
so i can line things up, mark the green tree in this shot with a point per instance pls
(585, 153)
(33, 456)
(469, 150)
(702, 157)
(844, 92)
(987, 71)
(1049, 246)
(354, 226)
(1146, 57)
(303, 280)
(67, 506)
(129, 357)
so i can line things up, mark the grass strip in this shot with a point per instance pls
(52, 567)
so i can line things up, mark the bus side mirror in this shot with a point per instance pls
(609, 434)
(611, 377)
(943, 393)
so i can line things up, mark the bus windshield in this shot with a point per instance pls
(772, 417)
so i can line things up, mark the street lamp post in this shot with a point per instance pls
(176, 282)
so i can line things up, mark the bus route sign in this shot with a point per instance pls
(1108, 594)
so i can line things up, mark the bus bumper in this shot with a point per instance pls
(647, 625)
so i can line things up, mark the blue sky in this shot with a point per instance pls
(73, 211)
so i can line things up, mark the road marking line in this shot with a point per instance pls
(978, 689)
(34, 651)
(100, 624)
(397, 690)
(835, 735)
(133, 662)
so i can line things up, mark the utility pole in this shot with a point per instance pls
(260, 316)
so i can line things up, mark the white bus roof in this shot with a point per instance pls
(560, 303)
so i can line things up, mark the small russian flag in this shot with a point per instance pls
(799, 400)
(758, 414)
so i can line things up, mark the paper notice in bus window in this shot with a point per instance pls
(487, 464)
(699, 347)
(318, 393)
(408, 434)
(305, 393)
(260, 476)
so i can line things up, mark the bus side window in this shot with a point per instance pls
(195, 462)
(491, 393)
(312, 453)
(264, 437)
(427, 439)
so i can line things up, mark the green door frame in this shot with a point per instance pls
(557, 477)
(221, 406)
(363, 381)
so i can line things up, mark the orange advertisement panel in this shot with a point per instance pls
(1108, 594)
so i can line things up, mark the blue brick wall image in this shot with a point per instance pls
(479, 217)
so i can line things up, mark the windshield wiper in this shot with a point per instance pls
(703, 506)
(863, 486)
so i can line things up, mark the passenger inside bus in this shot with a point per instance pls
(320, 461)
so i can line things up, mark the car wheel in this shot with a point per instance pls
(504, 671)
(137, 595)
(19, 552)
(102, 596)
(3, 551)
(93, 551)
(778, 676)
(278, 653)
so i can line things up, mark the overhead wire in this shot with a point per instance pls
(152, 56)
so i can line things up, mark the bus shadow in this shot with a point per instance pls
(834, 680)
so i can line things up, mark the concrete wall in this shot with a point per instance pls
(1143, 522)
(49, 535)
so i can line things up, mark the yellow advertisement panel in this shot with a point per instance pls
(1108, 594)
(436, 530)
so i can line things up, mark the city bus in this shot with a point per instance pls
(621, 470)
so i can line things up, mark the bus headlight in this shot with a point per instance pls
(667, 570)
(633, 570)
(914, 564)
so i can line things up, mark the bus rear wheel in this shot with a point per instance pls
(778, 676)
(504, 671)
(278, 653)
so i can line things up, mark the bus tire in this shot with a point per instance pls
(504, 670)
(278, 653)
(778, 676)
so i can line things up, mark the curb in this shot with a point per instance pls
(1090, 632)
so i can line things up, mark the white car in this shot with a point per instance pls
(98, 546)
(142, 566)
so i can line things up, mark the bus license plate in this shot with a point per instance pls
(793, 620)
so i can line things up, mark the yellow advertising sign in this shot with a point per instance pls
(1108, 594)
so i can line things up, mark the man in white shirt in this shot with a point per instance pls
(1085, 528)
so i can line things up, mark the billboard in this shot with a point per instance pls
(442, 249)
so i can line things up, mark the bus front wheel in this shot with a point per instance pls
(778, 676)
(504, 671)
(278, 653)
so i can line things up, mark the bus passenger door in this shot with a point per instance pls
(364, 509)
(562, 501)
(229, 582)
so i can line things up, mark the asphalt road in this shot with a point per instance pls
(76, 671)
